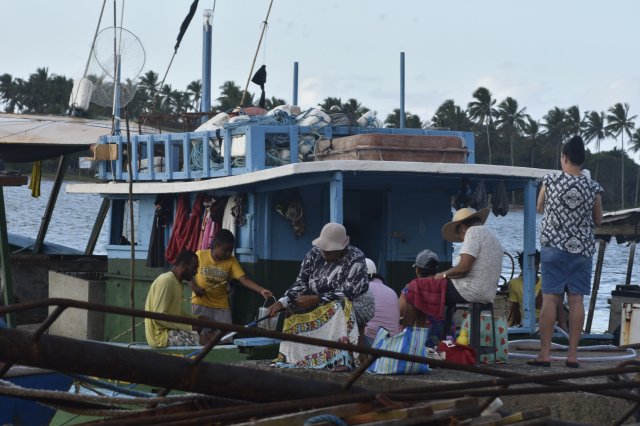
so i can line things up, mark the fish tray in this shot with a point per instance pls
(384, 147)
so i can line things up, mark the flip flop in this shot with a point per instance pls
(537, 363)
(572, 364)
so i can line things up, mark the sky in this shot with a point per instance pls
(543, 53)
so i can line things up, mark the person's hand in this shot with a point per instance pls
(199, 291)
(275, 308)
(266, 293)
(308, 301)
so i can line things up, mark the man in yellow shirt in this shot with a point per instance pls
(516, 289)
(217, 267)
(166, 296)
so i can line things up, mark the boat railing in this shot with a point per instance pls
(230, 151)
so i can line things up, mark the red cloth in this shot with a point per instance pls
(428, 295)
(186, 227)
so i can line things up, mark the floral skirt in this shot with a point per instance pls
(332, 321)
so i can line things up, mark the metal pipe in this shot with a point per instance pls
(295, 83)
(5, 274)
(205, 100)
(602, 245)
(402, 118)
(53, 198)
(97, 226)
(632, 255)
(133, 365)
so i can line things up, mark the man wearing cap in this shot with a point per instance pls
(425, 266)
(475, 277)
(332, 275)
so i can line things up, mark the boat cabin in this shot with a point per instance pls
(393, 190)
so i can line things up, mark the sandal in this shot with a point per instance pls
(538, 363)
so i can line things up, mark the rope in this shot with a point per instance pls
(264, 28)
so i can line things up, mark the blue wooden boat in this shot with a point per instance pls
(19, 411)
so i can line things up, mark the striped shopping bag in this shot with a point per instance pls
(411, 340)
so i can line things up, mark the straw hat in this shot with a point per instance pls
(449, 231)
(332, 237)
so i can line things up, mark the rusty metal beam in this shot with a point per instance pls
(141, 366)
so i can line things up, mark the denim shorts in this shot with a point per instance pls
(562, 271)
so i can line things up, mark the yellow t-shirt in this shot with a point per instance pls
(213, 277)
(165, 297)
(516, 290)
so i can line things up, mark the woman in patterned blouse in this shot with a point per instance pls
(333, 274)
(572, 207)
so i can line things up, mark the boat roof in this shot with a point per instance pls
(623, 224)
(46, 135)
(286, 173)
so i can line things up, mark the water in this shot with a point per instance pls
(74, 216)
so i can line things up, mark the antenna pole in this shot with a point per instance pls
(295, 83)
(402, 90)
(205, 98)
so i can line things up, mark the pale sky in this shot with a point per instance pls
(543, 53)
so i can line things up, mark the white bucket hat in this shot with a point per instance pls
(371, 267)
(333, 237)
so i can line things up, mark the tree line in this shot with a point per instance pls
(505, 133)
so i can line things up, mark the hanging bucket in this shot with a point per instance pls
(268, 323)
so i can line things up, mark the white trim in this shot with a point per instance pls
(303, 169)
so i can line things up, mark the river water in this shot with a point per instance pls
(74, 216)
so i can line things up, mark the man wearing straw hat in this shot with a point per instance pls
(473, 279)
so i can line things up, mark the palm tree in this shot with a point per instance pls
(620, 123)
(150, 86)
(329, 102)
(411, 121)
(231, 96)
(531, 131)
(449, 115)
(555, 124)
(594, 128)
(510, 120)
(194, 89)
(273, 102)
(573, 121)
(354, 108)
(635, 147)
(481, 110)
(10, 92)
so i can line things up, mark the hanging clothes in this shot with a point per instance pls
(228, 220)
(185, 227)
(479, 199)
(162, 218)
(500, 201)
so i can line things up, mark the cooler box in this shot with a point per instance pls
(622, 294)
(630, 323)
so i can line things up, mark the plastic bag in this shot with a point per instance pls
(411, 340)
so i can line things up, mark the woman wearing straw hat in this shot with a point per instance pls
(473, 279)
(321, 304)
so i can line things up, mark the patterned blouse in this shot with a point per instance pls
(346, 278)
(568, 218)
